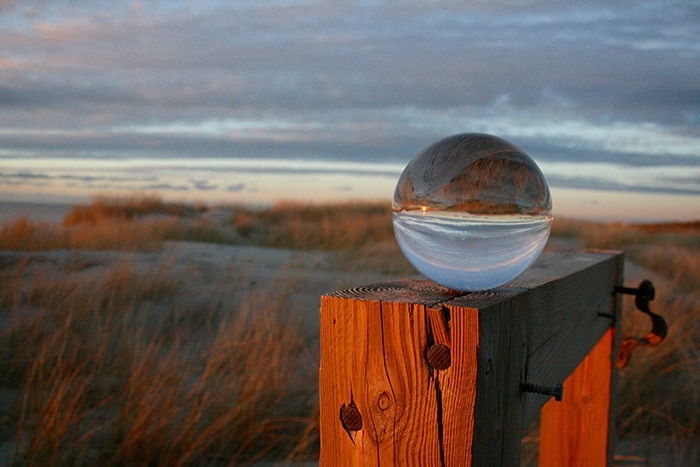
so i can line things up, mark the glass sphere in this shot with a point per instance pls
(472, 212)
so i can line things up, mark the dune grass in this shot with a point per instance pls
(672, 250)
(119, 368)
(341, 226)
(121, 365)
(114, 223)
(361, 234)
(125, 208)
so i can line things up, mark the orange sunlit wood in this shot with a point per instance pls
(575, 432)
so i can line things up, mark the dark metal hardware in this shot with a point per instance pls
(556, 391)
(350, 417)
(438, 356)
(642, 296)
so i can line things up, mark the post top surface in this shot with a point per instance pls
(549, 267)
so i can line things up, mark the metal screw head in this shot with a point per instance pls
(556, 391)
(438, 356)
(350, 417)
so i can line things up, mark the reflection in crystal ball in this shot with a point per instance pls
(472, 212)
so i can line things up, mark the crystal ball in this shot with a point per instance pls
(471, 212)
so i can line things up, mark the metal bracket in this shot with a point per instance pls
(643, 295)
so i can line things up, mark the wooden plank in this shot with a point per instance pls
(570, 307)
(575, 432)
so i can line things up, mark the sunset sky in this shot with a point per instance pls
(261, 100)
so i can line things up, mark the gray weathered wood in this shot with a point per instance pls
(500, 366)
(569, 296)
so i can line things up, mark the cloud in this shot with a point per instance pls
(166, 187)
(324, 56)
(585, 82)
(235, 187)
(23, 175)
(592, 183)
(203, 185)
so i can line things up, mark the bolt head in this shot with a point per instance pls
(350, 417)
(558, 392)
(438, 356)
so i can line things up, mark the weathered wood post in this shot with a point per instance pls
(414, 375)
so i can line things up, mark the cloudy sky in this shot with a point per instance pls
(605, 96)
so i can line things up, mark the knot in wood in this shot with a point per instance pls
(438, 356)
(384, 401)
(350, 417)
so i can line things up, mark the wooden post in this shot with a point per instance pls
(414, 375)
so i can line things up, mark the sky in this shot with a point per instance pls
(263, 100)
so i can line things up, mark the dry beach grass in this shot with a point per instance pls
(121, 345)
(115, 364)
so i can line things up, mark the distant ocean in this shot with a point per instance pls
(584, 190)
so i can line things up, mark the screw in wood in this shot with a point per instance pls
(556, 391)
(438, 356)
(350, 417)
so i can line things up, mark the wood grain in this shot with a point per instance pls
(412, 414)
(372, 356)
(456, 389)
(499, 373)
(575, 432)
(569, 306)
(374, 342)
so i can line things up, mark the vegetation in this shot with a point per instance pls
(125, 224)
(130, 359)
(120, 365)
(125, 208)
(344, 226)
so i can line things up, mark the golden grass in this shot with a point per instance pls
(116, 223)
(361, 234)
(659, 392)
(617, 235)
(108, 234)
(125, 208)
(24, 234)
(104, 376)
(672, 250)
(680, 265)
(340, 226)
